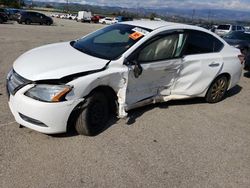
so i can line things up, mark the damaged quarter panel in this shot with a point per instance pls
(196, 74)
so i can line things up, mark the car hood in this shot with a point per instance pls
(55, 61)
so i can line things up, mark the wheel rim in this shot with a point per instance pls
(218, 89)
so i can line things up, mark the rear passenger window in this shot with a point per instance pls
(234, 28)
(238, 28)
(199, 43)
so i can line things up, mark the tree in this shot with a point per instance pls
(152, 16)
(12, 3)
(49, 6)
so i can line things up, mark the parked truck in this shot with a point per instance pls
(84, 16)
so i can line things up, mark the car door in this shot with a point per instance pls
(32, 16)
(38, 18)
(202, 62)
(160, 61)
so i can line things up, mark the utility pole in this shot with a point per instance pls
(193, 14)
(67, 6)
(208, 16)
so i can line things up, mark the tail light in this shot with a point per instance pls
(241, 58)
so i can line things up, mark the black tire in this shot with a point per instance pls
(94, 115)
(1, 20)
(48, 23)
(217, 90)
(28, 21)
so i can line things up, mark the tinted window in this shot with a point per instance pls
(31, 13)
(200, 42)
(239, 28)
(166, 47)
(238, 36)
(234, 28)
(224, 27)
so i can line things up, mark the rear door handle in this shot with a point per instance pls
(214, 64)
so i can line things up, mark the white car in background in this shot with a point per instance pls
(71, 16)
(115, 69)
(108, 20)
(224, 29)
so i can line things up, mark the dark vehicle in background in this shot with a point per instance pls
(3, 17)
(28, 17)
(11, 12)
(123, 18)
(4, 10)
(240, 40)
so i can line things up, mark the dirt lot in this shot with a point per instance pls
(177, 144)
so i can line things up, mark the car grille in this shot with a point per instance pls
(15, 82)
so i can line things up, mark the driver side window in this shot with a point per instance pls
(166, 47)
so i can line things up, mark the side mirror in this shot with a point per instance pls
(137, 69)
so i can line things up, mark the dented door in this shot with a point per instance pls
(196, 74)
(156, 79)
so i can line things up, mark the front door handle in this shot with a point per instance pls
(214, 64)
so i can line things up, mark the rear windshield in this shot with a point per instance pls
(224, 27)
(110, 42)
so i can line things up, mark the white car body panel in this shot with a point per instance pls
(194, 77)
(61, 60)
(165, 80)
(56, 114)
(156, 79)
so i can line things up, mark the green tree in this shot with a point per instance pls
(12, 3)
(152, 16)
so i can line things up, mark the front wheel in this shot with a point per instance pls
(217, 90)
(93, 116)
(28, 22)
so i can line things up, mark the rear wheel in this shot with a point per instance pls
(217, 90)
(1, 20)
(28, 21)
(94, 115)
(48, 23)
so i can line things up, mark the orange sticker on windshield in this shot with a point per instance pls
(135, 35)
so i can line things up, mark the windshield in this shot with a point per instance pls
(224, 27)
(110, 42)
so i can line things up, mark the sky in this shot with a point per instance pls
(191, 4)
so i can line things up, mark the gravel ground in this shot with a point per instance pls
(176, 144)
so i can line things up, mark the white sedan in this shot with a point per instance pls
(108, 21)
(120, 67)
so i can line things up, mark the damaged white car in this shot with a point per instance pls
(115, 69)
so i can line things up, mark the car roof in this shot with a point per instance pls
(150, 24)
